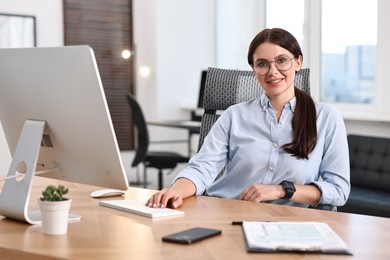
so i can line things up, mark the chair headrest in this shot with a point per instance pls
(226, 87)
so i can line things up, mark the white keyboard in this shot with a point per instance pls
(139, 208)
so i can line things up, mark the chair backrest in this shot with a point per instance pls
(228, 87)
(201, 88)
(141, 131)
(369, 159)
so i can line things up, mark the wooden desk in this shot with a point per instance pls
(105, 233)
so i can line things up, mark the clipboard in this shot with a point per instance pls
(292, 237)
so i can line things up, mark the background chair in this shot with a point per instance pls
(228, 87)
(160, 160)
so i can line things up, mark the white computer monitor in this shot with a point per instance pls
(59, 90)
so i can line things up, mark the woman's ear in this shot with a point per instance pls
(299, 61)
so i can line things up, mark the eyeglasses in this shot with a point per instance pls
(282, 63)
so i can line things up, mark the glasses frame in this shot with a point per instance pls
(276, 65)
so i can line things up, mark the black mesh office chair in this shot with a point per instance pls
(160, 160)
(228, 87)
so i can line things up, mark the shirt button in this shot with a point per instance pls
(271, 168)
(275, 145)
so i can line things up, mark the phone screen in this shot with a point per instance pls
(191, 235)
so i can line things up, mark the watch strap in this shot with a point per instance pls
(289, 187)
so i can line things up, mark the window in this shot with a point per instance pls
(344, 43)
(17, 31)
(347, 55)
(348, 51)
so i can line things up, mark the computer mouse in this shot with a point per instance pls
(106, 193)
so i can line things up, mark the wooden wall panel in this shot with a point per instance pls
(106, 26)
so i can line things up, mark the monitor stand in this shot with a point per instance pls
(15, 195)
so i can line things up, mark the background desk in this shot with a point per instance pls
(106, 233)
(193, 127)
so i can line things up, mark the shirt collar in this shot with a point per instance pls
(265, 103)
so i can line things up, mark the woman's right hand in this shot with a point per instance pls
(172, 197)
(165, 198)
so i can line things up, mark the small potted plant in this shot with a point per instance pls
(54, 210)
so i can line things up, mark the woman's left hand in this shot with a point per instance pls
(262, 192)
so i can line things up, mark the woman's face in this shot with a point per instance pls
(276, 83)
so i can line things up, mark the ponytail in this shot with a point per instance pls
(304, 126)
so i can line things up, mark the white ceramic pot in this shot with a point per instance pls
(54, 216)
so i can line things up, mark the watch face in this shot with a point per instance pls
(289, 186)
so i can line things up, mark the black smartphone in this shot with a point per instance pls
(191, 235)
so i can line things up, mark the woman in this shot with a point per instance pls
(281, 148)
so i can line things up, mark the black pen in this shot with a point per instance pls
(239, 222)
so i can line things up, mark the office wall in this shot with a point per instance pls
(372, 128)
(49, 18)
(175, 39)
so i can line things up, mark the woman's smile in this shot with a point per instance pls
(274, 82)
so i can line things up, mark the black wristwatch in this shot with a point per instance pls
(290, 189)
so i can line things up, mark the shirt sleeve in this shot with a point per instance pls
(204, 167)
(334, 168)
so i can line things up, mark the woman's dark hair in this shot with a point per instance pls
(305, 117)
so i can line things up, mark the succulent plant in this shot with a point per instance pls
(53, 193)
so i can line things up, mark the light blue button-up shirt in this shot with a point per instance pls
(247, 138)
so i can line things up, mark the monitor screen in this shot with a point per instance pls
(61, 86)
(196, 114)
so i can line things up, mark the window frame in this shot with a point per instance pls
(380, 109)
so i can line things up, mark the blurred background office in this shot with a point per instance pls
(172, 41)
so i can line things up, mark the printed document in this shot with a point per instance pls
(304, 237)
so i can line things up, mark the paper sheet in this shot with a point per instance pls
(292, 236)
